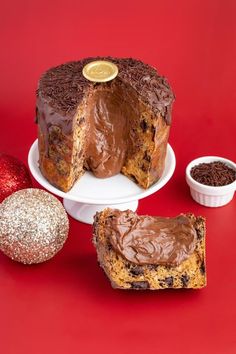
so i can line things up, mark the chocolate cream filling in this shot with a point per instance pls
(151, 240)
(109, 139)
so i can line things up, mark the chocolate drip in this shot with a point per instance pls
(151, 240)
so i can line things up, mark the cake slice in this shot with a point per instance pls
(146, 252)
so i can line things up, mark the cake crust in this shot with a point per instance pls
(124, 274)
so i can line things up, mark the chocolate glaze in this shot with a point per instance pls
(48, 118)
(64, 86)
(151, 240)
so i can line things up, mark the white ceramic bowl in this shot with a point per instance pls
(209, 195)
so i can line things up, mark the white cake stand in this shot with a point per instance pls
(91, 194)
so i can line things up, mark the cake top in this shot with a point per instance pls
(63, 86)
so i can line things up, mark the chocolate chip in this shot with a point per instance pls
(144, 125)
(133, 178)
(140, 285)
(203, 268)
(136, 270)
(147, 157)
(81, 120)
(109, 246)
(144, 168)
(199, 234)
(184, 279)
(169, 281)
(153, 130)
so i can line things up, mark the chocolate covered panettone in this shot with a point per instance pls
(150, 252)
(110, 127)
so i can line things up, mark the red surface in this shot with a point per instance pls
(67, 305)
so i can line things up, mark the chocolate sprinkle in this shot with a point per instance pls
(203, 268)
(214, 173)
(64, 86)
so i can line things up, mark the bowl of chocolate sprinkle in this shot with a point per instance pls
(212, 180)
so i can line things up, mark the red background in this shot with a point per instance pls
(67, 305)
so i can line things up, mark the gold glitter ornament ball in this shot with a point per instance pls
(33, 226)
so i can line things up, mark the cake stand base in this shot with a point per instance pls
(85, 212)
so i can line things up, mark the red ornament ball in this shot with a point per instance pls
(13, 176)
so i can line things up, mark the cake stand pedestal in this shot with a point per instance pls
(91, 194)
